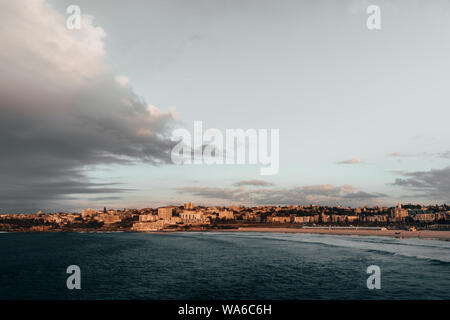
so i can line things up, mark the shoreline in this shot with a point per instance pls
(422, 234)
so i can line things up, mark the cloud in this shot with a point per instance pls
(416, 155)
(445, 155)
(103, 198)
(256, 183)
(63, 111)
(317, 194)
(357, 7)
(123, 81)
(432, 185)
(363, 195)
(350, 161)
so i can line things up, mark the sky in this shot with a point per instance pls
(87, 116)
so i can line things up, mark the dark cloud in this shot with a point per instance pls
(318, 194)
(103, 198)
(63, 111)
(432, 185)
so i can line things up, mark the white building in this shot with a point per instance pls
(225, 214)
(148, 217)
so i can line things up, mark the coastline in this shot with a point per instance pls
(422, 234)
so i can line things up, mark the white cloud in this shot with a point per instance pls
(122, 80)
(40, 51)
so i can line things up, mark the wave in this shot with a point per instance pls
(432, 250)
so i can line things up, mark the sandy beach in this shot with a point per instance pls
(423, 234)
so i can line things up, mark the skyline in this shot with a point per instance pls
(361, 113)
(180, 204)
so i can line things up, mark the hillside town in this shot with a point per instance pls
(200, 218)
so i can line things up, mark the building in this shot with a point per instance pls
(193, 217)
(148, 226)
(281, 219)
(88, 212)
(376, 218)
(148, 217)
(108, 218)
(187, 215)
(425, 217)
(225, 214)
(155, 225)
(189, 206)
(335, 218)
(165, 212)
(302, 219)
(399, 212)
(111, 218)
(251, 217)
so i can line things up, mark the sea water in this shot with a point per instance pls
(221, 265)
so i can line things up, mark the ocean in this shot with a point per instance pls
(221, 265)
